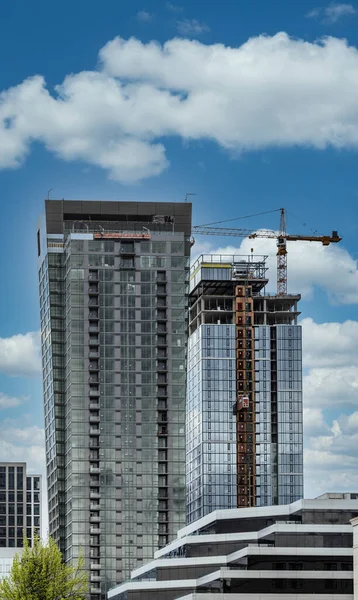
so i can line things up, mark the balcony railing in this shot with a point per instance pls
(95, 495)
(95, 470)
(95, 590)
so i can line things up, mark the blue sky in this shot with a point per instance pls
(246, 126)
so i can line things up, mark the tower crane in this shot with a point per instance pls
(282, 237)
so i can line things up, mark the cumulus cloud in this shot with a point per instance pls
(329, 472)
(191, 27)
(33, 455)
(331, 387)
(330, 344)
(330, 352)
(331, 459)
(10, 401)
(272, 91)
(332, 13)
(174, 7)
(31, 435)
(144, 17)
(20, 354)
(313, 421)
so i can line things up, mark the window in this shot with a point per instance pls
(330, 584)
(296, 584)
(279, 584)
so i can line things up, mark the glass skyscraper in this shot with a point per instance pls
(113, 279)
(244, 397)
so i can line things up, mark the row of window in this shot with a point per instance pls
(10, 509)
(124, 247)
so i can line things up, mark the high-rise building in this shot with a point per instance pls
(244, 399)
(20, 511)
(113, 280)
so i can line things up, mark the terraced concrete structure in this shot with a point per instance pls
(299, 551)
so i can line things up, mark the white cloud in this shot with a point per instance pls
(31, 435)
(330, 351)
(329, 472)
(314, 13)
(313, 421)
(330, 344)
(10, 401)
(331, 387)
(20, 354)
(191, 27)
(269, 92)
(332, 13)
(331, 460)
(144, 17)
(174, 7)
(33, 455)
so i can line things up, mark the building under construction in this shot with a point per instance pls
(244, 397)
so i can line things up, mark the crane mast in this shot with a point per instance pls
(282, 257)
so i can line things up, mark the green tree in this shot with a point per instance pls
(39, 573)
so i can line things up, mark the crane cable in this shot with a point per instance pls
(266, 212)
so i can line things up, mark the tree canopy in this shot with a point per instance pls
(39, 573)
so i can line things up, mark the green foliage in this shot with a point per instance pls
(38, 573)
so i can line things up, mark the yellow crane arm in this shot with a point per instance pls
(281, 238)
(265, 233)
(325, 239)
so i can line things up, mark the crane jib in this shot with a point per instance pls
(281, 237)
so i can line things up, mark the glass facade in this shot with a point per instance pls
(278, 397)
(289, 410)
(114, 312)
(244, 396)
(211, 439)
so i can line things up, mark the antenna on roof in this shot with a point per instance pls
(189, 194)
(48, 194)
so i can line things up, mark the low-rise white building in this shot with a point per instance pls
(298, 551)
